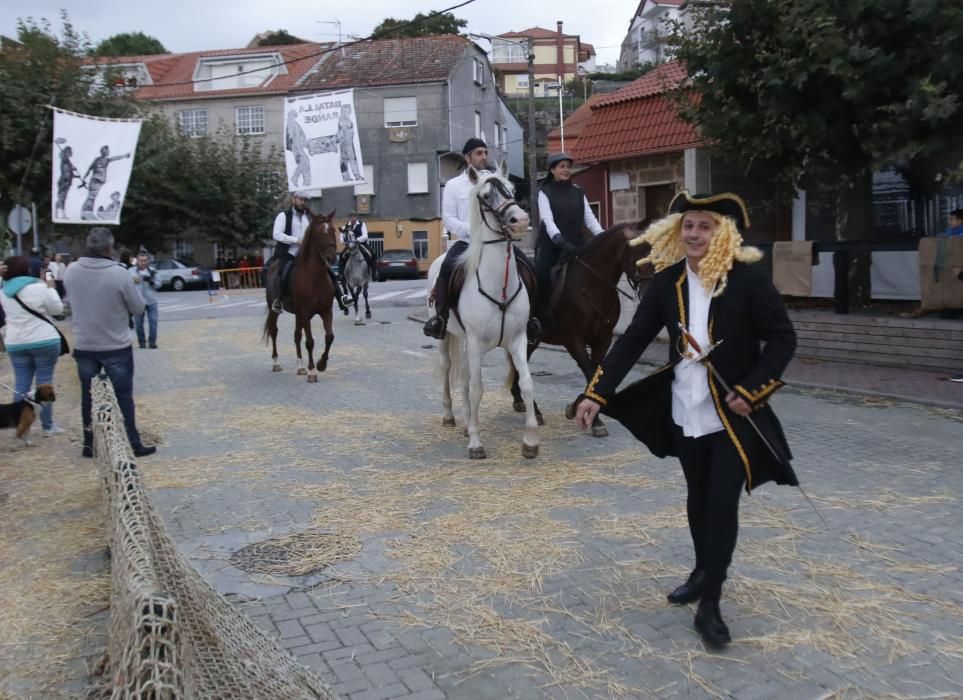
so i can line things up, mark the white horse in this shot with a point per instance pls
(357, 274)
(492, 310)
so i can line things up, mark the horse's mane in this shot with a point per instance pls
(603, 238)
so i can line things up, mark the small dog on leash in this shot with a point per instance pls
(22, 414)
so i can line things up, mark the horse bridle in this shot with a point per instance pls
(498, 211)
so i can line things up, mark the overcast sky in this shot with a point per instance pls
(195, 25)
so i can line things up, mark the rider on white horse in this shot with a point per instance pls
(456, 206)
(290, 226)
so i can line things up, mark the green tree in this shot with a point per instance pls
(420, 25)
(129, 44)
(819, 95)
(281, 37)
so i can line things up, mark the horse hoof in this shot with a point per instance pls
(519, 406)
(301, 371)
(476, 453)
(570, 411)
(345, 312)
(540, 419)
(600, 431)
(529, 451)
(322, 367)
(359, 322)
(367, 314)
(447, 422)
(276, 368)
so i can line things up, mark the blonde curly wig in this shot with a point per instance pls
(665, 237)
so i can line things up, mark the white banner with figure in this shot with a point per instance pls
(321, 144)
(92, 161)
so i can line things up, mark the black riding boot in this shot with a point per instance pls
(275, 286)
(437, 325)
(338, 296)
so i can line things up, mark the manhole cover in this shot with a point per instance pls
(299, 554)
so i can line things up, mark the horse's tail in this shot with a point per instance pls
(454, 347)
(512, 371)
(270, 325)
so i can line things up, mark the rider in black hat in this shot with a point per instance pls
(456, 205)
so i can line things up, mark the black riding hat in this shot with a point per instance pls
(725, 203)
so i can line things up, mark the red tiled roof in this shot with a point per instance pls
(536, 33)
(172, 73)
(585, 46)
(637, 120)
(575, 123)
(655, 82)
(423, 59)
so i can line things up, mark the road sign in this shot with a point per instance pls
(19, 220)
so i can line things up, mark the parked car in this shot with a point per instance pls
(179, 274)
(397, 265)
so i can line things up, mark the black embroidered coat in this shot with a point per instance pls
(757, 342)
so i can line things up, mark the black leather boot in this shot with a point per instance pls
(708, 621)
(533, 330)
(437, 326)
(690, 591)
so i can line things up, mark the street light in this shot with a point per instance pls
(532, 172)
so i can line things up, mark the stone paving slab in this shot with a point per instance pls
(459, 591)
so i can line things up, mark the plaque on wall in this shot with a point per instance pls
(362, 203)
(400, 134)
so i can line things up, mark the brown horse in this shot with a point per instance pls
(312, 294)
(588, 305)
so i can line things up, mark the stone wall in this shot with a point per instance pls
(667, 169)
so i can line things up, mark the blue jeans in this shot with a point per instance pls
(151, 312)
(39, 362)
(118, 365)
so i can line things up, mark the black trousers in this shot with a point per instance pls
(714, 476)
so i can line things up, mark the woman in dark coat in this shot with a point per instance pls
(707, 295)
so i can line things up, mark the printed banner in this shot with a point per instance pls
(321, 144)
(92, 160)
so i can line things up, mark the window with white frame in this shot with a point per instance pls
(192, 122)
(504, 51)
(417, 178)
(249, 120)
(419, 243)
(521, 81)
(478, 71)
(497, 135)
(401, 111)
(478, 125)
(366, 187)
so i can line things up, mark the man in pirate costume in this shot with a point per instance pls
(710, 411)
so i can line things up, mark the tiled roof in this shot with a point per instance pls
(655, 82)
(536, 33)
(423, 59)
(172, 73)
(585, 46)
(637, 120)
(574, 125)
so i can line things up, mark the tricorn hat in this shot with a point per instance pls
(726, 204)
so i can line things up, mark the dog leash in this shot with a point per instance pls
(26, 397)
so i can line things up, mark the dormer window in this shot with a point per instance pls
(237, 72)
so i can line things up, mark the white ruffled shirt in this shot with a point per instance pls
(692, 407)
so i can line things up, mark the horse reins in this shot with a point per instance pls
(605, 281)
(505, 237)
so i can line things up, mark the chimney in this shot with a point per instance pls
(560, 55)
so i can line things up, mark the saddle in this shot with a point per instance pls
(457, 281)
(558, 276)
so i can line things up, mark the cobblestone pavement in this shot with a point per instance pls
(513, 578)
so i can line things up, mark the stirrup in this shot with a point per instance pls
(533, 329)
(436, 328)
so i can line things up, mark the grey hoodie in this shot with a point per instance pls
(102, 295)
